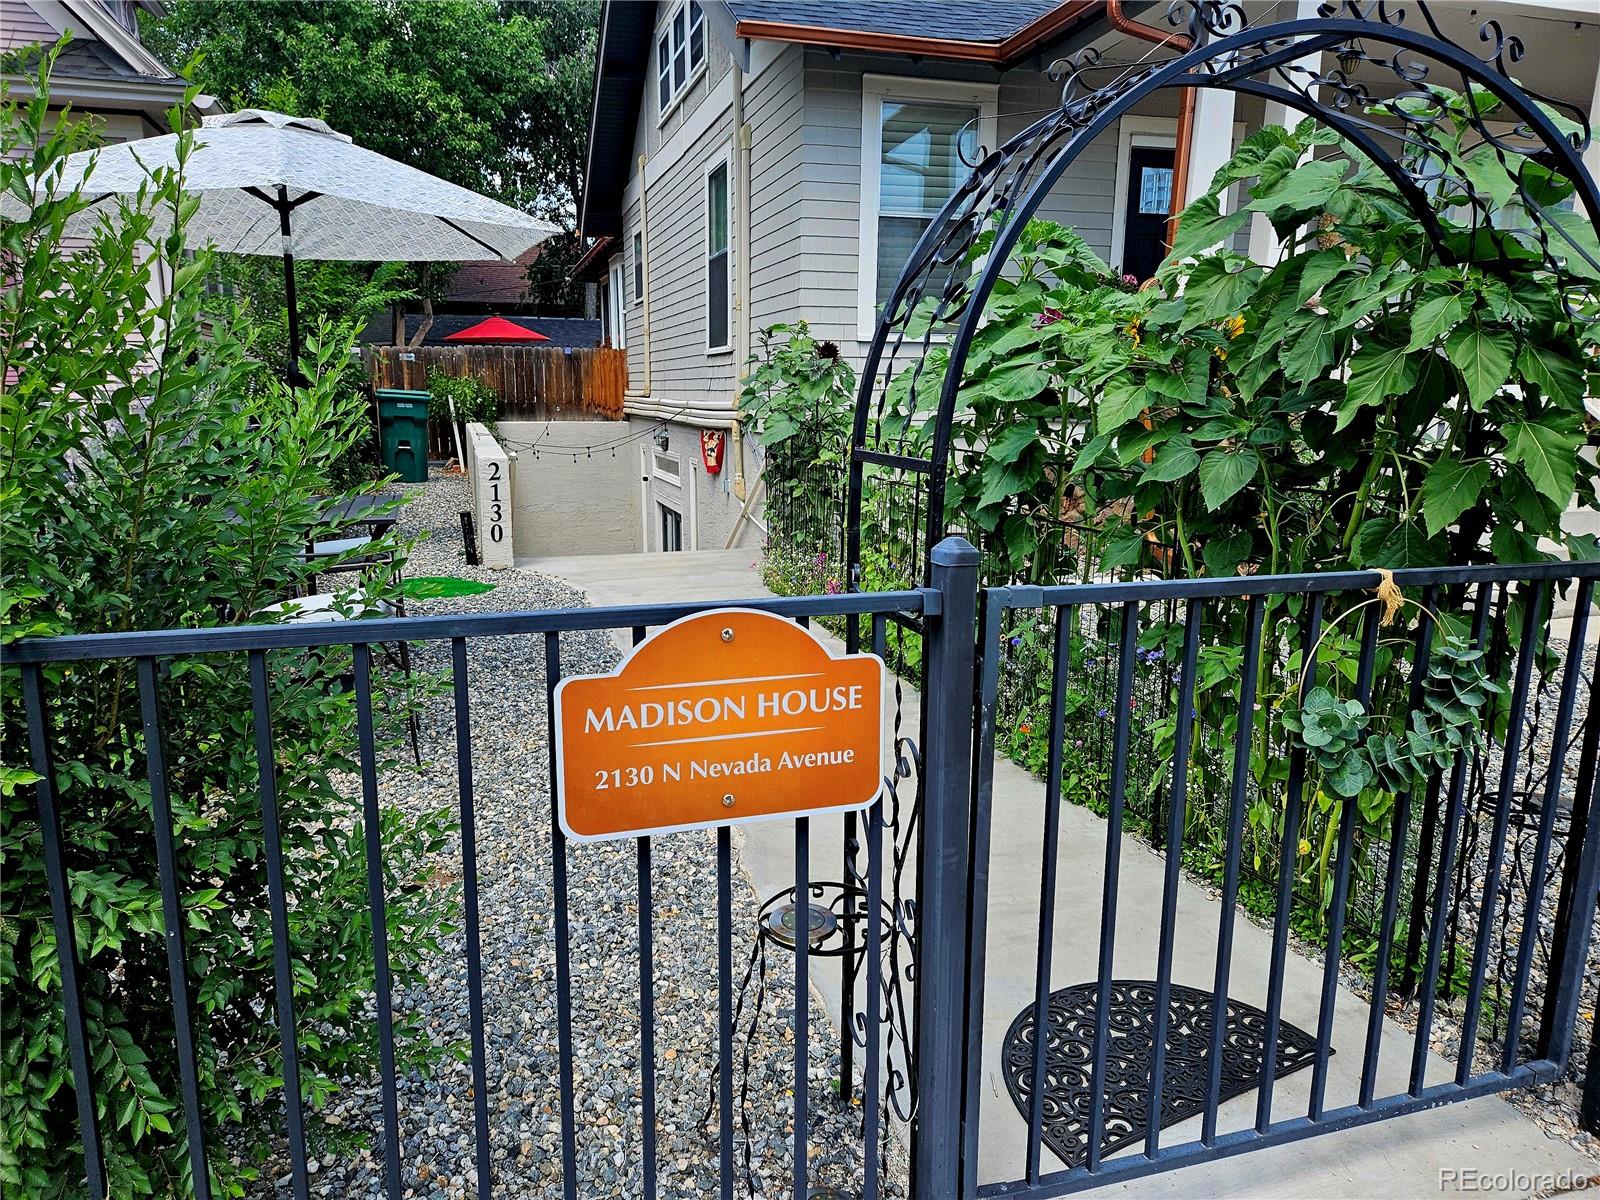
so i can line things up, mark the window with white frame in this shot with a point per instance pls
(914, 135)
(638, 268)
(680, 53)
(719, 317)
(616, 304)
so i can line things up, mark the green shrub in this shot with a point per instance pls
(800, 393)
(474, 400)
(156, 474)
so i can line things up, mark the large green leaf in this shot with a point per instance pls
(1131, 443)
(1305, 189)
(1376, 373)
(1435, 316)
(1012, 443)
(1222, 553)
(1174, 460)
(1120, 405)
(1483, 356)
(1386, 542)
(1221, 284)
(1202, 226)
(1307, 350)
(1549, 456)
(1224, 472)
(1020, 380)
(1553, 369)
(1451, 487)
(1124, 549)
(1003, 481)
(1321, 267)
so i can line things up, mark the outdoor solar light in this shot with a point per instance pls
(782, 922)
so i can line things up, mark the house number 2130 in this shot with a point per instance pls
(497, 529)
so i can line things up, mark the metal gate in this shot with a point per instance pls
(348, 658)
(1443, 891)
(1434, 891)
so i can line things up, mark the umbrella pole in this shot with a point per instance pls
(296, 379)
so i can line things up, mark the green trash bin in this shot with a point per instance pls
(403, 432)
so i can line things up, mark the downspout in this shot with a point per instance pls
(1122, 23)
(742, 263)
(643, 393)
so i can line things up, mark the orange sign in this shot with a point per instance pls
(727, 716)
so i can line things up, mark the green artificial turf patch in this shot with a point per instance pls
(436, 587)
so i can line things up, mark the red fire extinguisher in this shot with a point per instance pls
(711, 443)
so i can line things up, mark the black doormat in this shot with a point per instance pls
(1069, 1057)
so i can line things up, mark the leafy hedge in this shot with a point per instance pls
(155, 475)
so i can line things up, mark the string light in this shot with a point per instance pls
(540, 445)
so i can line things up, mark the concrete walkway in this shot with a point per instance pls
(1405, 1157)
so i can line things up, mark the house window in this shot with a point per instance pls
(667, 466)
(680, 53)
(915, 135)
(616, 305)
(671, 527)
(718, 316)
(638, 268)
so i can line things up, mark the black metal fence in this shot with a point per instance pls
(1121, 1059)
(151, 651)
(1481, 876)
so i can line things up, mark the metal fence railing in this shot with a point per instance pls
(267, 652)
(1481, 874)
(1482, 869)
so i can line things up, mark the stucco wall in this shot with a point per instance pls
(562, 506)
(714, 509)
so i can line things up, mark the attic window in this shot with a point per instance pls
(680, 53)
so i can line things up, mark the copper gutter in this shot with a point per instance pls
(1122, 23)
(1017, 44)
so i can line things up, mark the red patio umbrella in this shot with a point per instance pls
(495, 329)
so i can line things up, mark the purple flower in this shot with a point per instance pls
(1101, 713)
(1048, 317)
(822, 558)
(833, 587)
(1016, 641)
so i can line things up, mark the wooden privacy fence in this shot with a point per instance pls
(536, 383)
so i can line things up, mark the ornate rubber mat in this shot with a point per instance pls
(1069, 1055)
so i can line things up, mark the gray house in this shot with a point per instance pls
(761, 161)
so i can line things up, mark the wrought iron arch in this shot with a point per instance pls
(937, 302)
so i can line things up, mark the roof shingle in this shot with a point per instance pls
(976, 20)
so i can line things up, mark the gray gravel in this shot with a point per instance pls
(514, 867)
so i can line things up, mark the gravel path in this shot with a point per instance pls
(514, 867)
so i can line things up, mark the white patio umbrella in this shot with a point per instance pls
(280, 185)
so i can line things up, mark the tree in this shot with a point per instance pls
(491, 96)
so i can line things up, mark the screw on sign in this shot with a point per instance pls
(726, 716)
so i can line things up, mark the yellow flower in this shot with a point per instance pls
(1233, 326)
(1132, 330)
(1305, 846)
(1222, 355)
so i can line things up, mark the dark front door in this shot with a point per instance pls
(1149, 201)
